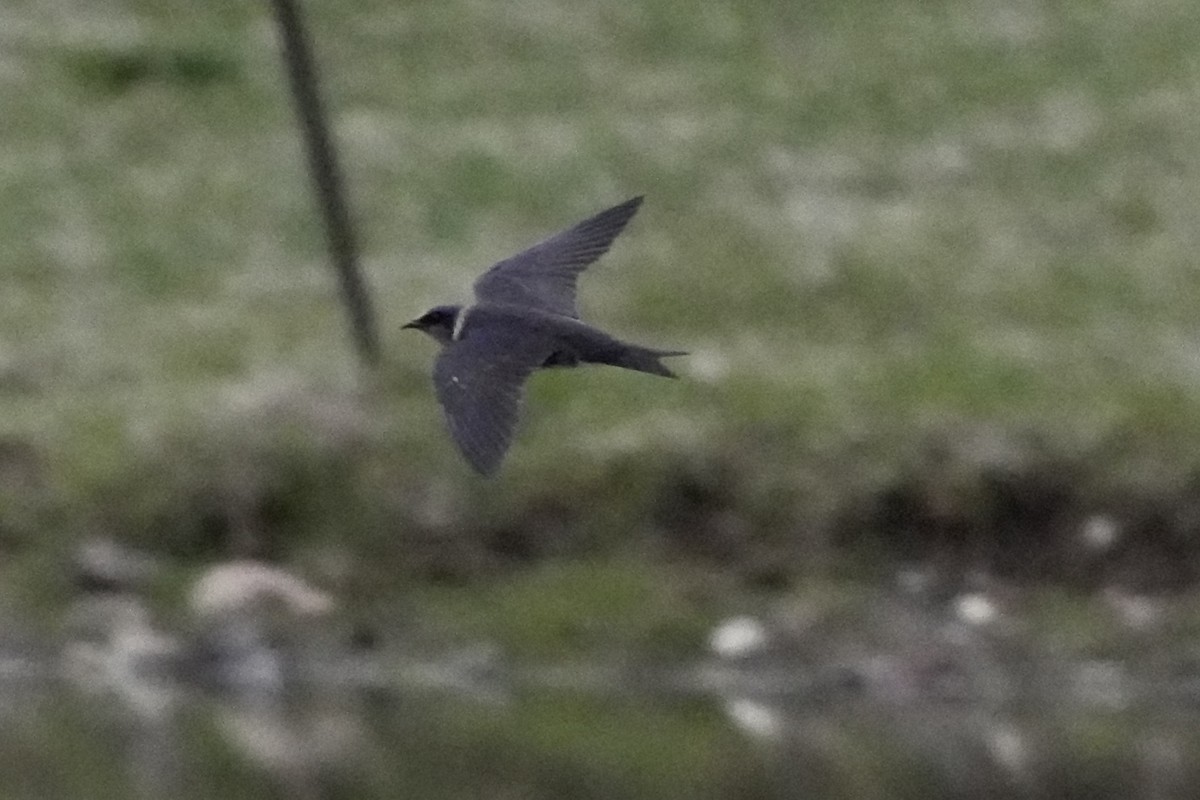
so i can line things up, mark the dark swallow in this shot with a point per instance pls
(524, 319)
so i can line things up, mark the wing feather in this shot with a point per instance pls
(544, 276)
(480, 381)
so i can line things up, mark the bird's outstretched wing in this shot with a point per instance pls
(543, 276)
(480, 381)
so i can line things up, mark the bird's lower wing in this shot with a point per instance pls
(480, 382)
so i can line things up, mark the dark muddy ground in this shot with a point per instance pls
(964, 515)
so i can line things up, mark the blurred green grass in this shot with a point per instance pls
(870, 222)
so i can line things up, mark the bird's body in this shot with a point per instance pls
(524, 320)
(570, 342)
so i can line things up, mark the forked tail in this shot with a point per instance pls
(645, 359)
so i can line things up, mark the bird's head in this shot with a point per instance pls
(438, 322)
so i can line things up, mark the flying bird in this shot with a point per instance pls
(524, 319)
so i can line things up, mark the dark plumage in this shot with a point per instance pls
(524, 319)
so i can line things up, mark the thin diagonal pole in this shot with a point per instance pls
(327, 180)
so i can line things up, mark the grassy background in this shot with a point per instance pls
(935, 263)
(874, 225)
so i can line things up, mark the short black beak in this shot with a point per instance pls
(413, 324)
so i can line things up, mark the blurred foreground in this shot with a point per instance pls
(889, 694)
